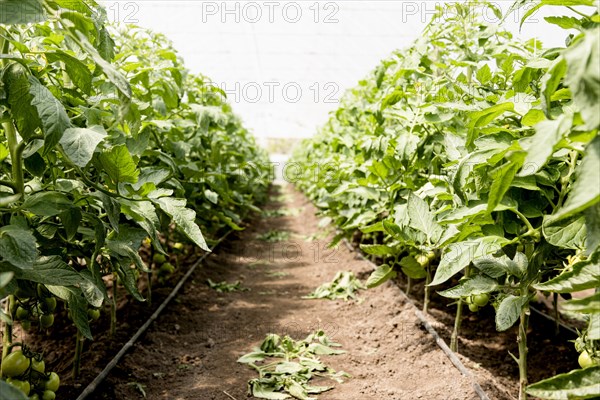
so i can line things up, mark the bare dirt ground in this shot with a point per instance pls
(191, 351)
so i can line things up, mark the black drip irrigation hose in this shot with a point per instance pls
(438, 340)
(113, 363)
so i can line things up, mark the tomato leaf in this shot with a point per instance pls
(80, 144)
(382, 274)
(18, 246)
(509, 311)
(457, 256)
(184, 218)
(477, 285)
(579, 383)
(21, 12)
(119, 165)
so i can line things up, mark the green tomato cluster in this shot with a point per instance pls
(476, 301)
(27, 373)
(34, 305)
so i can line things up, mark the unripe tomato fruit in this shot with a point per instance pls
(93, 314)
(49, 304)
(34, 396)
(23, 386)
(15, 364)
(47, 320)
(158, 258)
(48, 395)
(473, 307)
(21, 313)
(480, 299)
(178, 246)
(53, 382)
(585, 360)
(26, 325)
(39, 366)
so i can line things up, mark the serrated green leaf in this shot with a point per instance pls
(568, 233)
(381, 250)
(577, 384)
(47, 204)
(21, 12)
(477, 285)
(80, 144)
(589, 305)
(585, 191)
(118, 164)
(509, 311)
(16, 80)
(184, 218)
(412, 268)
(583, 275)
(457, 256)
(18, 246)
(51, 112)
(76, 69)
(540, 146)
(382, 274)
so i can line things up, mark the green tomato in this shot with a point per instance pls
(158, 258)
(48, 395)
(21, 313)
(468, 300)
(481, 299)
(42, 292)
(473, 307)
(93, 314)
(585, 360)
(15, 364)
(423, 260)
(53, 382)
(39, 366)
(26, 325)
(23, 386)
(166, 269)
(34, 396)
(46, 321)
(49, 304)
(178, 246)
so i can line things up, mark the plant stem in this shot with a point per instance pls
(113, 308)
(522, 341)
(408, 285)
(7, 331)
(16, 159)
(427, 290)
(457, 323)
(556, 314)
(77, 358)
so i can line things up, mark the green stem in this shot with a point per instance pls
(77, 358)
(408, 285)
(457, 323)
(113, 307)
(16, 157)
(427, 290)
(522, 341)
(556, 314)
(523, 218)
(7, 332)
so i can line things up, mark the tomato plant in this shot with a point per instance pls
(481, 152)
(107, 141)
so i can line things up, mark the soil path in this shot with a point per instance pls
(191, 351)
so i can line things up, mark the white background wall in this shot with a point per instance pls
(285, 64)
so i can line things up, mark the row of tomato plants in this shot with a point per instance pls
(472, 153)
(107, 143)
